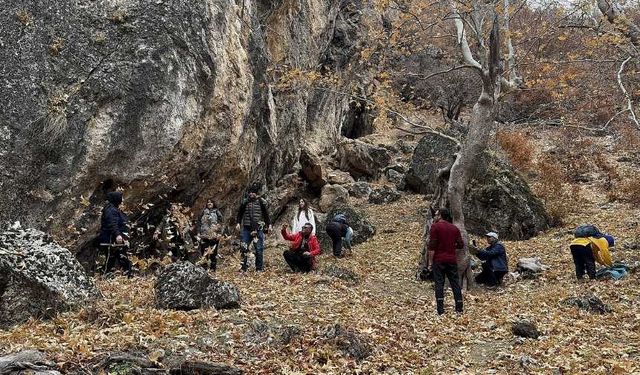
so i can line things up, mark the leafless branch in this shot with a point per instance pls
(427, 76)
(626, 93)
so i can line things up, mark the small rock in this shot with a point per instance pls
(530, 268)
(526, 329)
(341, 273)
(589, 303)
(350, 342)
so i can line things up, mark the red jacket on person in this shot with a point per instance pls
(296, 242)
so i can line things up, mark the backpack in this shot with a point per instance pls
(588, 230)
(340, 218)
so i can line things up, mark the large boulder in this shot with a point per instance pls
(499, 200)
(39, 278)
(362, 159)
(312, 170)
(431, 154)
(362, 228)
(332, 195)
(185, 286)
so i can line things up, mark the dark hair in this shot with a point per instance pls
(308, 225)
(115, 198)
(306, 209)
(445, 214)
(255, 187)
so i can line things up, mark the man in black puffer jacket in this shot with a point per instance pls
(113, 233)
(252, 219)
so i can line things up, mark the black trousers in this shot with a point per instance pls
(489, 277)
(334, 230)
(450, 271)
(205, 244)
(117, 255)
(297, 261)
(584, 261)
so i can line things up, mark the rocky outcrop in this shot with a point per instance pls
(39, 278)
(500, 200)
(360, 189)
(184, 286)
(169, 99)
(362, 159)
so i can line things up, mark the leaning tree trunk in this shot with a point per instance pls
(453, 181)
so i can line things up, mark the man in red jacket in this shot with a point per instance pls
(301, 257)
(444, 239)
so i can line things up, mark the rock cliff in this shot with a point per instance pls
(168, 98)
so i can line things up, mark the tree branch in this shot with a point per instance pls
(626, 93)
(462, 40)
(425, 77)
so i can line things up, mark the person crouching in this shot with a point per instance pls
(301, 257)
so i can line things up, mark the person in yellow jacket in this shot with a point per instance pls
(583, 257)
(586, 251)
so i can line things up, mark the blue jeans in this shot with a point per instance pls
(259, 247)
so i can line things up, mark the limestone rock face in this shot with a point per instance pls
(39, 278)
(165, 98)
(500, 200)
(185, 286)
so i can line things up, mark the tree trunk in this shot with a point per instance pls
(469, 158)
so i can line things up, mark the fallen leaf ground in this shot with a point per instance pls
(388, 306)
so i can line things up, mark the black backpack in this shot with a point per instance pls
(588, 230)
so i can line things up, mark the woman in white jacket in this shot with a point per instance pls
(303, 216)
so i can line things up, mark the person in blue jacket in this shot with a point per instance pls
(495, 264)
(113, 233)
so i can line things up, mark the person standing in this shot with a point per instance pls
(113, 233)
(495, 264)
(304, 215)
(444, 239)
(209, 232)
(301, 257)
(253, 218)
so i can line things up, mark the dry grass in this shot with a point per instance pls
(518, 147)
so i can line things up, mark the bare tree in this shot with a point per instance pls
(486, 60)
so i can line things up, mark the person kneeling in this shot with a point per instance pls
(495, 264)
(301, 257)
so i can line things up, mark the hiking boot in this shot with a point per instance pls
(440, 307)
(459, 308)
